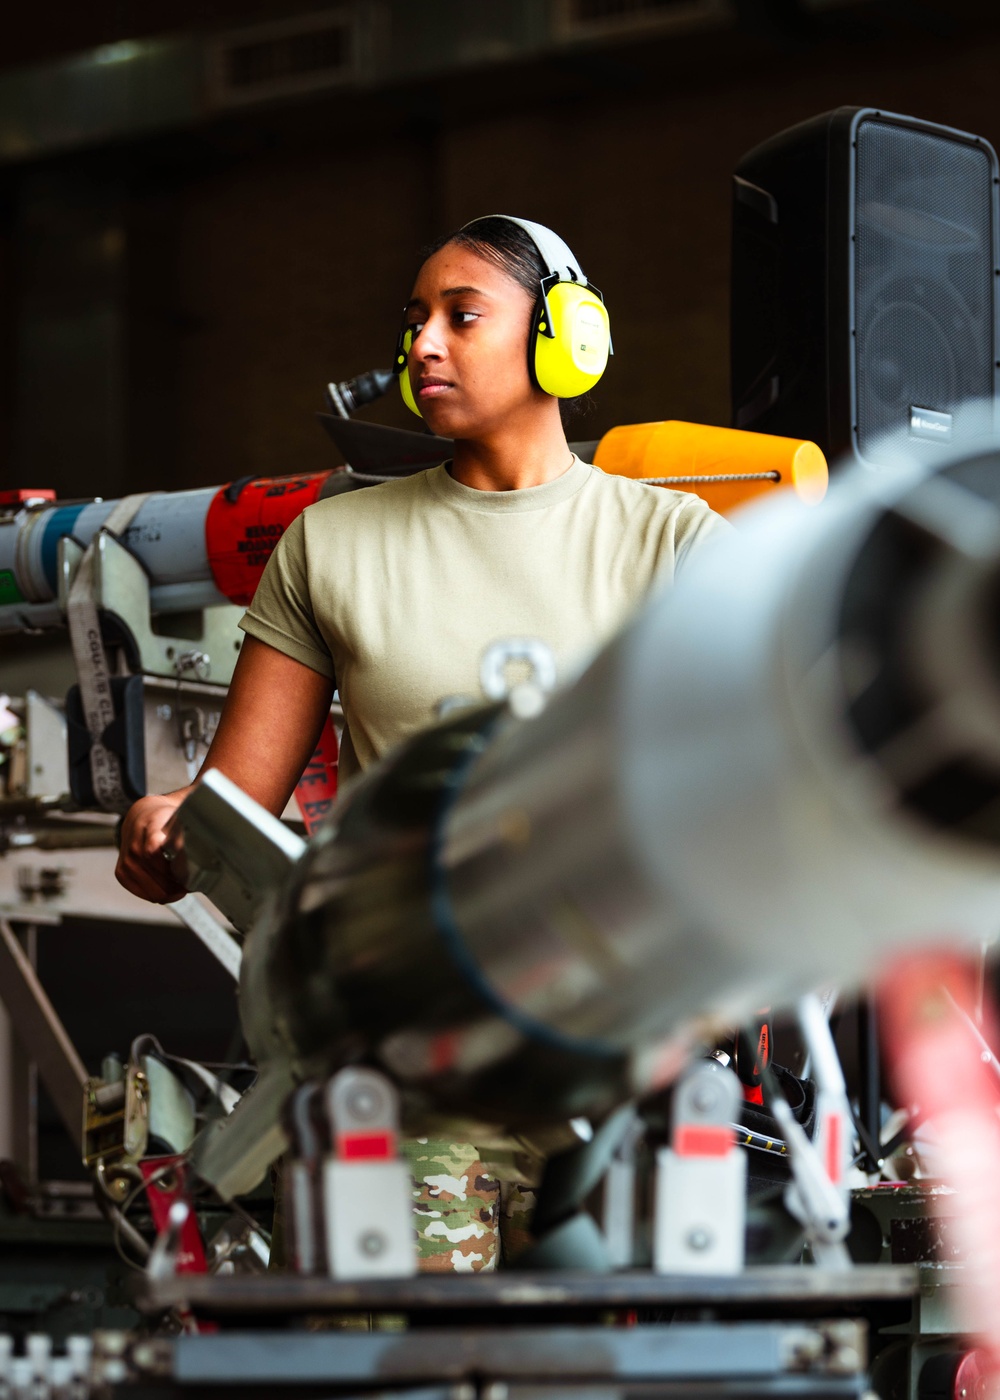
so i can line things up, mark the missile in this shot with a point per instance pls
(198, 548)
(785, 770)
(209, 546)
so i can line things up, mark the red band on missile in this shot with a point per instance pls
(244, 523)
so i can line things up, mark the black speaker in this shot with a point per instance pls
(864, 286)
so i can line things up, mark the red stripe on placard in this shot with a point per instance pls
(366, 1147)
(691, 1141)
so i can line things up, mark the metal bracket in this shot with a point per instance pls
(41, 1032)
(116, 1119)
(367, 1190)
(302, 1180)
(121, 590)
(699, 1222)
(234, 850)
(818, 1195)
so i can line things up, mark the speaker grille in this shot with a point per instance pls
(923, 288)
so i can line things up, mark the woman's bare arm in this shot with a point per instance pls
(269, 727)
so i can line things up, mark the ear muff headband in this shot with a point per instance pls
(570, 338)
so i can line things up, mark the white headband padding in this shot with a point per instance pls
(554, 253)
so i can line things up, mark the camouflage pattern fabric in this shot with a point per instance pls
(517, 1206)
(456, 1207)
(472, 1205)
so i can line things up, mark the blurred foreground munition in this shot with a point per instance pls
(785, 769)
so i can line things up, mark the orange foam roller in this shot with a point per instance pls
(725, 466)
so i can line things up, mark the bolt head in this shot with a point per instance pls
(362, 1103)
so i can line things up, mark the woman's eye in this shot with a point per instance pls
(415, 327)
(465, 318)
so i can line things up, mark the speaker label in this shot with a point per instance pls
(930, 425)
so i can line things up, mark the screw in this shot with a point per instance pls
(144, 1356)
(703, 1098)
(699, 1239)
(372, 1244)
(362, 1103)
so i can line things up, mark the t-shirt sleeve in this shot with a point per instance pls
(696, 523)
(281, 612)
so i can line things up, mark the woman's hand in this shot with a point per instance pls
(143, 866)
(273, 715)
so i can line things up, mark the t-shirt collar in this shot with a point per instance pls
(444, 487)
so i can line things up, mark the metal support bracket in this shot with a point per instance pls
(42, 1033)
(367, 1189)
(121, 590)
(699, 1222)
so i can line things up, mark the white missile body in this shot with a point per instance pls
(198, 549)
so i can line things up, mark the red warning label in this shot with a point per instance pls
(317, 788)
(244, 523)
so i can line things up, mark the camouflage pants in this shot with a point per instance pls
(469, 1214)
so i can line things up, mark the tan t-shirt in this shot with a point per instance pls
(422, 594)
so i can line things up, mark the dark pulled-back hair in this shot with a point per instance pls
(509, 247)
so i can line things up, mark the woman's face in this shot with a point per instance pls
(468, 363)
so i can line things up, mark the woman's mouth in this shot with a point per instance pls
(432, 388)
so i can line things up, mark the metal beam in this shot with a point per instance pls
(37, 1025)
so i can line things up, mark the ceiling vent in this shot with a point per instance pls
(594, 19)
(283, 59)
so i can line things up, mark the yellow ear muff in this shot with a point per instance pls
(405, 388)
(571, 359)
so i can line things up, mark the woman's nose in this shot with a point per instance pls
(430, 343)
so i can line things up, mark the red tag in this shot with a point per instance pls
(21, 494)
(241, 533)
(316, 790)
(691, 1141)
(366, 1147)
(161, 1195)
(763, 1059)
(443, 1051)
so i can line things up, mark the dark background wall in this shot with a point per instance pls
(230, 270)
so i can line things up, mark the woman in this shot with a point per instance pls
(514, 562)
